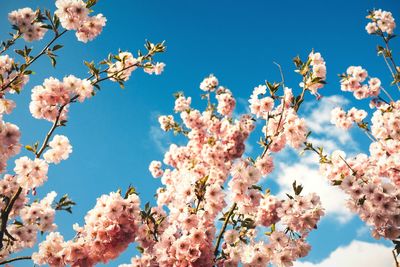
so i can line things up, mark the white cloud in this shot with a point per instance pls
(363, 231)
(333, 200)
(318, 117)
(249, 147)
(357, 253)
(306, 171)
(159, 138)
(242, 106)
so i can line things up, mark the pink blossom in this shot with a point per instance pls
(60, 149)
(25, 20)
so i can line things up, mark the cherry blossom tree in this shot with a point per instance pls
(211, 209)
(22, 219)
(372, 181)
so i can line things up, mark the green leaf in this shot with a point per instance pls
(47, 26)
(56, 47)
(297, 188)
(65, 203)
(289, 196)
(130, 191)
(256, 187)
(90, 3)
(29, 148)
(53, 60)
(140, 249)
(337, 182)
(147, 206)
(20, 52)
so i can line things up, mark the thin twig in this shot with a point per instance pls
(10, 42)
(221, 233)
(51, 131)
(282, 76)
(42, 52)
(6, 213)
(16, 259)
(387, 94)
(386, 40)
(395, 258)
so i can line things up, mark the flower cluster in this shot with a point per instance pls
(60, 149)
(167, 122)
(11, 80)
(299, 215)
(267, 211)
(371, 195)
(226, 101)
(261, 107)
(280, 251)
(285, 127)
(353, 80)
(53, 95)
(377, 203)
(38, 217)
(114, 223)
(382, 22)
(74, 15)
(209, 84)
(9, 142)
(30, 173)
(124, 66)
(40, 213)
(317, 78)
(156, 68)
(155, 169)
(385, 122)
(26, 20)
(109, 228)
(9, 186)
(244, 176)
(371, 181)
(283, 124)
(121, 66)
(182, 103)
(345, 120)
(193, 191)
(6, 106)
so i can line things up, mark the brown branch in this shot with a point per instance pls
(5, 86)
(16, 259)
(96, 81)
(11, 42)
(389, 52)
(221, 233)
(52, 129)
(276, 130)
(281, 72)
(397, 264)
(6, 213)
(298, 104)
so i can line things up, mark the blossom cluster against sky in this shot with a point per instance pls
(115, 135)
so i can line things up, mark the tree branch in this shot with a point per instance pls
(5, 86)
(221, 233)
(16, 259)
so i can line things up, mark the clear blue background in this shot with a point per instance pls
(235, 40)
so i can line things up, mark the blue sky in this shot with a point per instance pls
(114, 134)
